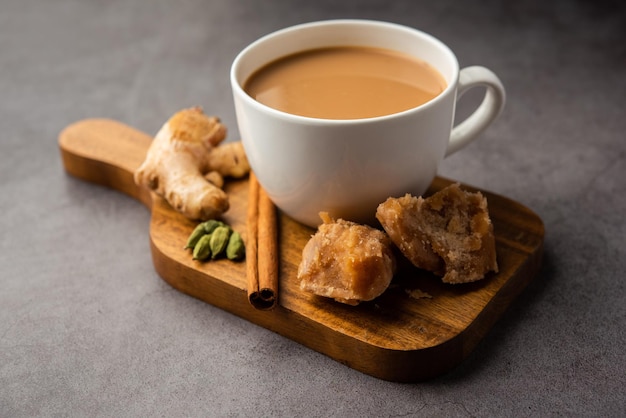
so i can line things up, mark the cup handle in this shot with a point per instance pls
(489, 109)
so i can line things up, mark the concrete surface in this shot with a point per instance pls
(87, 328)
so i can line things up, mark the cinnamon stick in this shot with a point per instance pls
(261, 248)
(252, 229)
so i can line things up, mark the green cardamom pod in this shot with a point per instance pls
(195, 236)
(219, 240)
(210, 225)
(236, 249)
(202, 249)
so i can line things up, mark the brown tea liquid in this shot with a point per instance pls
(345, 83)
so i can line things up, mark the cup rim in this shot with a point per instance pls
(238, 89)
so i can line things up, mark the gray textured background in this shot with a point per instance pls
(87, 328)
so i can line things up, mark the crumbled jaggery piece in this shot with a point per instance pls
(449, 233)
(347, 261)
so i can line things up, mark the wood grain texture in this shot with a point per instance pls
(395, 337)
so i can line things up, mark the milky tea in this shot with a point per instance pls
(346, 82)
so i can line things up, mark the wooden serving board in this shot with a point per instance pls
(398, 336)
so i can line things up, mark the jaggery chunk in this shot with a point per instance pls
(449, 233)
(347, 262)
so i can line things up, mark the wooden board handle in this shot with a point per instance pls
(106, 152)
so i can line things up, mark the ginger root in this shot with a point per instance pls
(186, 164)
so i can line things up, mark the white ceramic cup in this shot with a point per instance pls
(348, 167)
